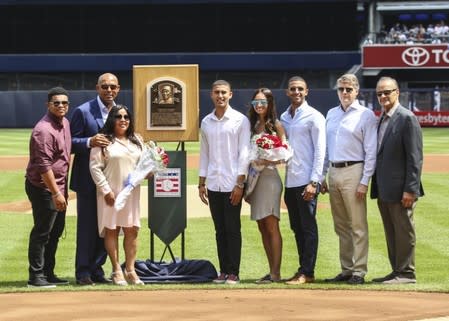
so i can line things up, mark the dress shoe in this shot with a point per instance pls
(266, 279)
(40, 282)
(301, 279)
(339, 278)
(400, 280)
(101, 279)
(385, 278)
(85, 281)
(355, 279)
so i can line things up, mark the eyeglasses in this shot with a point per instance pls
(345, 89)
(385, 92)
(56, 103)
(106, 87)
(259, 102)
(293, 89)
(120, 117)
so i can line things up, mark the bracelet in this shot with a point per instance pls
(57, 194)
(201, 185)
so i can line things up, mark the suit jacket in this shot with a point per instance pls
(85, 122)
(399, 159)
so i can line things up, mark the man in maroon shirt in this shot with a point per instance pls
(46, 187)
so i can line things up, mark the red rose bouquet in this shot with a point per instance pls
(271, 147)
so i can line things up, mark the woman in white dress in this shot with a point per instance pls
(265, 200)
(110, 167)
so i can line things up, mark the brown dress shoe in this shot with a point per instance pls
(85, 281)
(301, 279)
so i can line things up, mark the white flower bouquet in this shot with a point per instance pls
(153, 159)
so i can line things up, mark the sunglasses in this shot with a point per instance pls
(259, 102)
(385, 92)
(56, 103)
(345, 89)
(106, 87)
(120, 117)
(293, 89)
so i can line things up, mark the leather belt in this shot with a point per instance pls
(345, 164)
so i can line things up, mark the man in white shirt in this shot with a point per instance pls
(305, 129)
(224, 151)
(351, 135)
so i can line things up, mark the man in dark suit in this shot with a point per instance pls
(85, 123)
(397, 181)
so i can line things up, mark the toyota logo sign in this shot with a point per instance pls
(415, 56)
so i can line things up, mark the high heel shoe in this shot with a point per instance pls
(118, 279)
(133, 278)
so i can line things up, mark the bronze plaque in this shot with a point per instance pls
(166, 104)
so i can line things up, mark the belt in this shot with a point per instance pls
(345, 164)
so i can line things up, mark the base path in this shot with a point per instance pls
(248, 305)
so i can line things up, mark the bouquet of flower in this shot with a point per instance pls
(270, 147)
(153, 159)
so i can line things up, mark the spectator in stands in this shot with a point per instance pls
(224, 147)
(86, 121)
(397, 180)
(306, 132)
(110, 167)
(46, 187)
(351, 156)
(265, 199)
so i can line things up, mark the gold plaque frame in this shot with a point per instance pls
(166, 102)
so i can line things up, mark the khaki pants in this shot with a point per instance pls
(350, 222)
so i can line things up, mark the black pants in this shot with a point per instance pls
(228, 234)
(302, 216)
(44, 237)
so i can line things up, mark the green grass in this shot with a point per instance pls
(14, 141)
(432, 252)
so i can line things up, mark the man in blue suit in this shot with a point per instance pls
(86, 121)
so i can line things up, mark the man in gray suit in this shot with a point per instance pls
(397, 181)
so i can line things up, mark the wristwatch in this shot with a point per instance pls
(313, 183)
(240, 185)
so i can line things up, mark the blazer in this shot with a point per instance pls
(399, 159)
(85, 122)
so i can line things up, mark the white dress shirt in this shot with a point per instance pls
(352, 136)
(306, 134)
(224, 149)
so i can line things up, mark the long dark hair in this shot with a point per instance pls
(270, 117)
(109, 125)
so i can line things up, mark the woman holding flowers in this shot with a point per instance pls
(266, 197)
(110, 167)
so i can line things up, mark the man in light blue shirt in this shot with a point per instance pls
(351, 135)
(305, 129)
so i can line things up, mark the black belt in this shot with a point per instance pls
(345, 164)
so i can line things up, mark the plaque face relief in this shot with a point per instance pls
(166, 104)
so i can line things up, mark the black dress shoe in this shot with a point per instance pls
(355, 279)
(85, 281)
(53, 279)
(388, 277)
(339, 278)
(101, 279)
